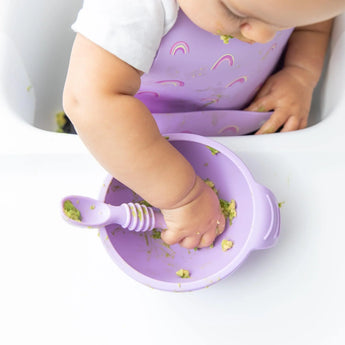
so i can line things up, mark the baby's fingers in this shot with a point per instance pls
(293, 123)
(262, 104)
(190, 242)
(208, 238)
(172, 237)
(277, 119)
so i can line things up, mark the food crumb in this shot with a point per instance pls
(71, 211)
(213, 150)
(280, 204)
(211, 185)
(183, 273)
(156, 234)
(61, 121)
(64, 125)
(226, 245)
(226, 38)
(146, 239)
(228, 209)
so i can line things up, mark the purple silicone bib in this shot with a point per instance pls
(199, 84)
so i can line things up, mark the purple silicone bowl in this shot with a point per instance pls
(151, 262)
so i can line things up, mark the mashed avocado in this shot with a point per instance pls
(226, 245)
(213, 150)
(280, 204)
(60, 121)
(226, 38)
(183, 273)
(71, 211)
(156, 234)
(211, 185)
(228, 207)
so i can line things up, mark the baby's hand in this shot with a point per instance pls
(198, 222)
(289, 95)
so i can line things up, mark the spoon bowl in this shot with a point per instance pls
(95, 213)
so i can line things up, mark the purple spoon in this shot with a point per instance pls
(95, 213)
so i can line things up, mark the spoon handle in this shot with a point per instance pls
(137, 217)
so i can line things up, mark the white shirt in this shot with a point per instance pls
(130, 29)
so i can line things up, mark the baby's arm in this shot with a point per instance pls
(121, 133)
(289, 92)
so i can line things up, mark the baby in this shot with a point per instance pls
(116, 43)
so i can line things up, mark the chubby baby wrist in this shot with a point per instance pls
(189, 195)
(194, 194)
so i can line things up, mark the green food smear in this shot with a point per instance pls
(261, 109)
(156, 234)
(140, 215)
(213, 151)
(145, 203)
(183, 273)
(71, 211)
